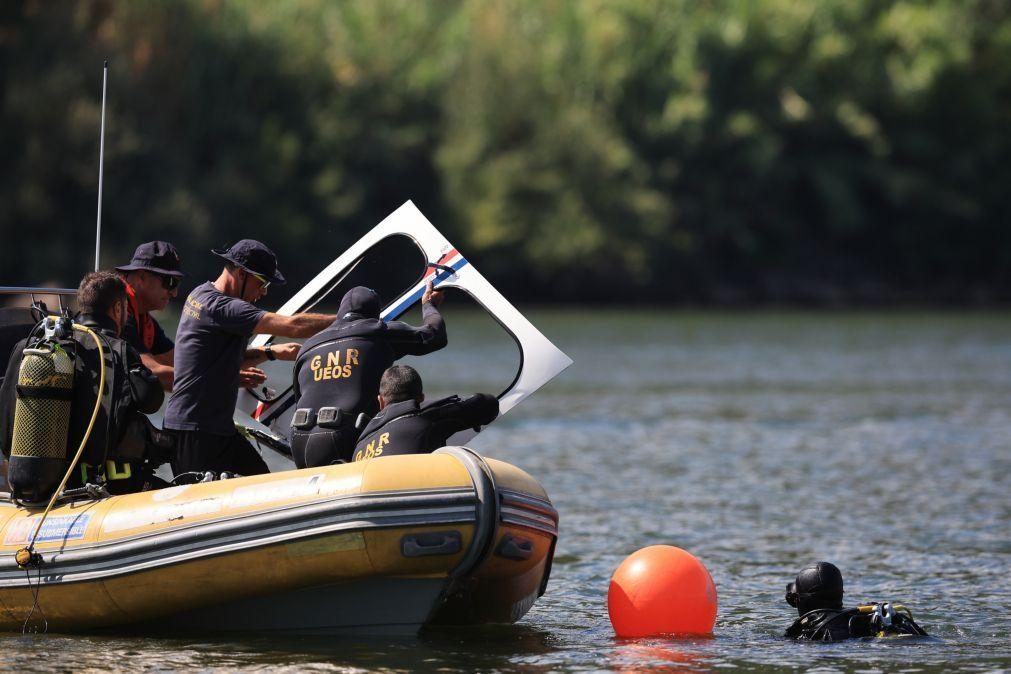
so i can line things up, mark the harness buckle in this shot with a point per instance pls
(303, 419)
(329, 417)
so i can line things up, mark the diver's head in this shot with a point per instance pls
(400, 383)
(817, 586)
(362, 302)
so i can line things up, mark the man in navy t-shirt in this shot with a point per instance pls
(211, 347)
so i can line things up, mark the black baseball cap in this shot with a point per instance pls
(254, 257)
(160, 257)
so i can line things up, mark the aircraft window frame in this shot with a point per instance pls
(506, 330)
(312, 302)
(316, 299)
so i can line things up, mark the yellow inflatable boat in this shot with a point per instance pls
(382, 546)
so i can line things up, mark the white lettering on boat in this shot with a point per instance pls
(59, 528)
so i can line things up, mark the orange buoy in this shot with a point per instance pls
(661, 590)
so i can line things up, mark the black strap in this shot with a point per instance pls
(47, 392)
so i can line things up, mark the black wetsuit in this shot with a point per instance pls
(409, 428)
(838, 624)
(133, 389)
(340, 368)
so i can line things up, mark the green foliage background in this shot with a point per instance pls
(823, 151)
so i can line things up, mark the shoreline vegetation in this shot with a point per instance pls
(774, 154)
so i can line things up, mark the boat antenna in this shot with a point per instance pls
(101, 163)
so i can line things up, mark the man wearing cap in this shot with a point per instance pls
(217, 321)
(152, 281)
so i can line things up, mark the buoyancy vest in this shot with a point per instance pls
(867, 620)
(119, 442)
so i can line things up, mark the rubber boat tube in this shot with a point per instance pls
(382, 546)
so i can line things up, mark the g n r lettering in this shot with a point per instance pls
(373, 449)
(339, 364)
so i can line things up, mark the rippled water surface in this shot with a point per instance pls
(760, 443)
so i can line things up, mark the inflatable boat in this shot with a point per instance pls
(387, 545)
(381, 546)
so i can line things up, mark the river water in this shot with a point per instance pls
(760, 442)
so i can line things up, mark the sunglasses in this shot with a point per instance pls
(265, 283)
(168, 282)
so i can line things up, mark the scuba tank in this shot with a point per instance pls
(39, 450)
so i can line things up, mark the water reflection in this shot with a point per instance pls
(634, 655)
(492, 647)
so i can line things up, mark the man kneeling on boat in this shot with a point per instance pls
(42, 425)
(406, 426)
(338, 371)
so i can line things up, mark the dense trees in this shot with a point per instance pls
(724, 151)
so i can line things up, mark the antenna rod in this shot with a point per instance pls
(101, 163)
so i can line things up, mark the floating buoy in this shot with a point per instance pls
(661, 590)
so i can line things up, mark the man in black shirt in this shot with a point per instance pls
(152, 280)
(132, 389)
(211, 348)
(338, 371)
(406, 426)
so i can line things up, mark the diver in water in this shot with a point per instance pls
(817, 595)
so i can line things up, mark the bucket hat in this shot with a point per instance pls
(160, 257)
(254, 257)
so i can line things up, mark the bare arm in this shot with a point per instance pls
(299, 325)
(166, 358)
(161, 367)
(257, 354)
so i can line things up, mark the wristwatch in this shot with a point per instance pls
(269, 353)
